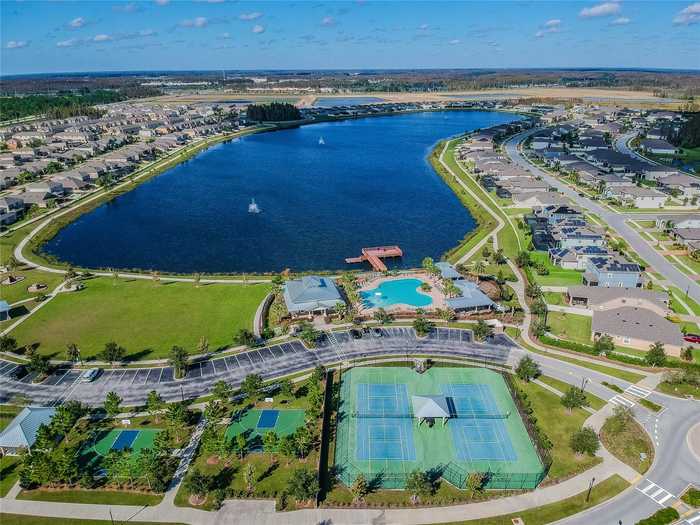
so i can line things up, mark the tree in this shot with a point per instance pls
(8, 343)
(476, 481)
(286, 387)
(499, 257)
(214, 411)
(429, 265)
(270, 442)
(112, 404)
(527, 369)
(241, 445)
(287, 447)
(244, 337)
(479, 266)
(304, 440)
(154, 404)
(522, 259)
(222, 391)
(482, 330)
(485, 252)
(422, 326)
(197, 484)
(539, 328)
(203, 346)
(179, 359)
(303, 484)
(318, 374)
(656, 356)
(113, 352)
(177, 417)
(574, 398)
(620, 420)
(309, 334)
(585, 441)
(249, 477)
(273, 112)
(418, 484)
(251, 385)
(604, 344)
(382, 316)
(539, 307)
(533, 290)
(38, 363)
(687, 353)
(359, 487)
(73, 352)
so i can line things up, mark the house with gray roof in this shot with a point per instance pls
(637, 328)
(447, 271)
(311, 294)
(20, 434)
(471, 300)
(599, 299)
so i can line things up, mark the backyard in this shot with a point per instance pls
(570, 326)
(145, 317)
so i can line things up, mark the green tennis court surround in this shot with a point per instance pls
(455, 421)
(254, 423)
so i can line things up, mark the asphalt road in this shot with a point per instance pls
(615, 220)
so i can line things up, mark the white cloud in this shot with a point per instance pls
(550, 26)
(257, 29)
(328, 21)
(604, 9)
(101, 38)
(162, 2)
(67, 43)
(620, 21)
(423, 27)
(689, 15)
(200, 21)
(147, 32)
(455, 41)
(77, 22)
(250, 16)
(16, 44)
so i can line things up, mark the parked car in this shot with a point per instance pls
(377, 332)
(356, 334)
(692, 338)
(19, 372)
(89, 375)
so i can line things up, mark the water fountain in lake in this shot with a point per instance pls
(253, 207)
(321, 142)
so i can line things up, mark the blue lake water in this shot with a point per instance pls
(399, 291)
(370, 184)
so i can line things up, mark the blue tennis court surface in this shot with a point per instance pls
(475, 435)
(125, 439)
(268, 419)
(382, 400)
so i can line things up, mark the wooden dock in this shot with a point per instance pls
(375, 255)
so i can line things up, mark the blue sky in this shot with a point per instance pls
(62, 36)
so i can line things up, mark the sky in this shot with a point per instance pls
(52, 36)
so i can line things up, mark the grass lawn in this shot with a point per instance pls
(144, 317)
(595, 402)
(570, 326)
(558, 424)
(18, 291)
(557, 276)
(690, 262)
(556, 511)
(21, 519)
(679, 390)
(627, 443)
(554, 298)
(695, 307)
(7, 414)
(9, 472)
(98, 497)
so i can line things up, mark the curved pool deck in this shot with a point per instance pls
(391, 292)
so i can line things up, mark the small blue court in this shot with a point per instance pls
(268, 419)
(125, 440)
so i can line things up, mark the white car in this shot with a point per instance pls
(89, 375)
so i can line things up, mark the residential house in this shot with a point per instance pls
(683, 185)
(637, 196)
(599, 299)
(637, 328)
(614, 272)
(11, 209)
(576, 257)
(657, 146)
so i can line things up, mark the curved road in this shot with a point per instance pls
(615, 220)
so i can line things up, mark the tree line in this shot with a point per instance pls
(273, 112)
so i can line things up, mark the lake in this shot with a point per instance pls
(369, 184)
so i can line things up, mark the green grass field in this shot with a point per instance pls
(245, 422)
(96, 497)
(144, 317)
(595, 402)
(21, 519)
(628, 443)
(570, 326)
(557, 276)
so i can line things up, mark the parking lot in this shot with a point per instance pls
(133, 384)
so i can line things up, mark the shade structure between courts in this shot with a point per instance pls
(379, 436)
(254, 423)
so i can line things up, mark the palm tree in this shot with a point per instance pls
(479, 266)
(179, 359)
(73, 352)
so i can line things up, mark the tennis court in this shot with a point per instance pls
(253, 424)
(480, 429)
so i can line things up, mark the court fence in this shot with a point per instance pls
(377, 473)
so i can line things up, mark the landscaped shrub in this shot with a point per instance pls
(692, 497)
(661, 517)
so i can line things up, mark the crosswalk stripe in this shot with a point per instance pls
(638, 391)
(655, 493)
(660, 491)
(692, 520)
(620, 400)
(667, 497)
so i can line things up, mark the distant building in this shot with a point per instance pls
(311, 295)
(637, 328)
(657, 146)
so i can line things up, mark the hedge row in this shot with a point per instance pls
(587, 349)
(661, 517)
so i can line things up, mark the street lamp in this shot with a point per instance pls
(584, 381)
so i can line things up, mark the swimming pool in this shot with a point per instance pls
(400, 291)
